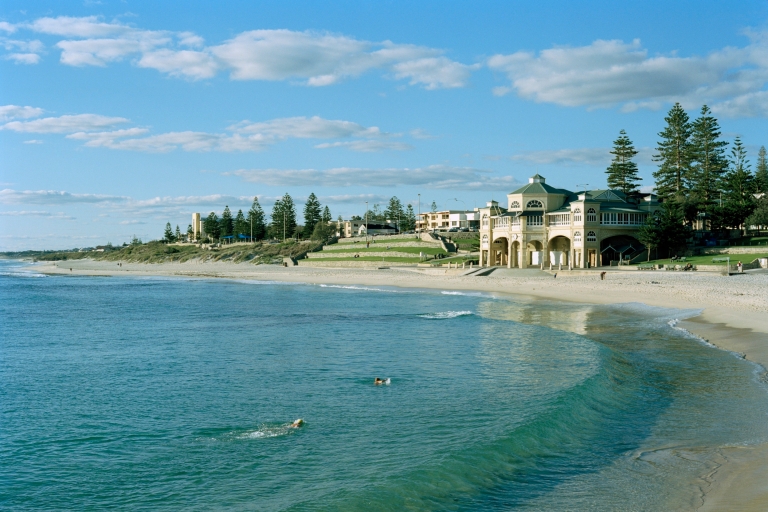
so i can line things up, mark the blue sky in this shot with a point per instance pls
(119, 116)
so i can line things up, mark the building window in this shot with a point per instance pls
(534, 203)
(514, 205)
(577, 215)
(485, 241)
(591, 215)
(591, 237)
(536, 220)
(485, 221)
(577, 236)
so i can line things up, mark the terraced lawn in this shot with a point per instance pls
(397, 259)
(707, 259)
(431, 250)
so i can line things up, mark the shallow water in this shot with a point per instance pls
(176, 393)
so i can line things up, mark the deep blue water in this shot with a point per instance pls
(169, 394)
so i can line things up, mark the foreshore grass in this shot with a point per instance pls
(158, 252)
(707, 259)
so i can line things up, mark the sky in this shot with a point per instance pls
(119, 116)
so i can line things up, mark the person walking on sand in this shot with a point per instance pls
(602, 276)
(739, 268)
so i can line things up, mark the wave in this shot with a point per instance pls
(445, 315)
(468, 294)
(22, 273)
(365, 288)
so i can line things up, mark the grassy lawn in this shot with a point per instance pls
(394, 259)
(383, 248)
(385, 241)
(707, 260)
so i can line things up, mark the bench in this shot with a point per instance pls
(646, 267)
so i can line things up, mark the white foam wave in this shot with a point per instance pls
(468, 294)
(352, 287)
(444, 315)
(22, 273)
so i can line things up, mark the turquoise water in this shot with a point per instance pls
(169, 394)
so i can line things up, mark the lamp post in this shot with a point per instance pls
(366, 221)
(420, 221)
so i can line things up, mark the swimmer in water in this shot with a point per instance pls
(377, 381)
(296, 424)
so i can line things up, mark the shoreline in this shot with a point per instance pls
(733, 316)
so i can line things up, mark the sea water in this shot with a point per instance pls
(168, 394)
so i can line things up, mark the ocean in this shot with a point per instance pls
(173, 393)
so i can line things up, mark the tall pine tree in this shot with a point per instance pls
(284, 217)
(313, 214)
(674, 155)
(410, 216)
(257, 224)
(622, 173)
(212, 227)
(241, 225)
(761, 172)
(708, 161)
(226, 222)
(168, 235)
(327, 217)
(394, 211)
(738, 187)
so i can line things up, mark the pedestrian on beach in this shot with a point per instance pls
(739, 267)
(602, 276)
(555, 275)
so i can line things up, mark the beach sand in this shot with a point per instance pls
(734, 317)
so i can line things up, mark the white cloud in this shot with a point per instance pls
(186, 63)
(36, 213)
(367, 146)
(7, 27)
(306, 128)
(312, 58)
(247, 136)
(615, 73)
(431, 177)
(88, 26)
(99, 52)
(23, 52)
(8, 112)
(323, 59)
(64, 124)
(9, 196)
(577, 157)
(218, 200)
(33, 141)
(23, 58)
(434, 72)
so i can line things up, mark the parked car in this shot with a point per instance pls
(453, 230)
(464, 230)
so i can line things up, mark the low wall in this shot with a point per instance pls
(324, 255)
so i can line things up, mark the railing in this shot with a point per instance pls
(535, 221)
(505, 222)
(561, 219)
(623, 219)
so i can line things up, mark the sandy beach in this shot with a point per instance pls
(733, 316)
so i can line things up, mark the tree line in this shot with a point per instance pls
(317, 224)
(697, 179)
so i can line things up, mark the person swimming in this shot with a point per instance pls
(296, 424)
(378, 382)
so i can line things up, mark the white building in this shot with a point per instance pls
(544, 225)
